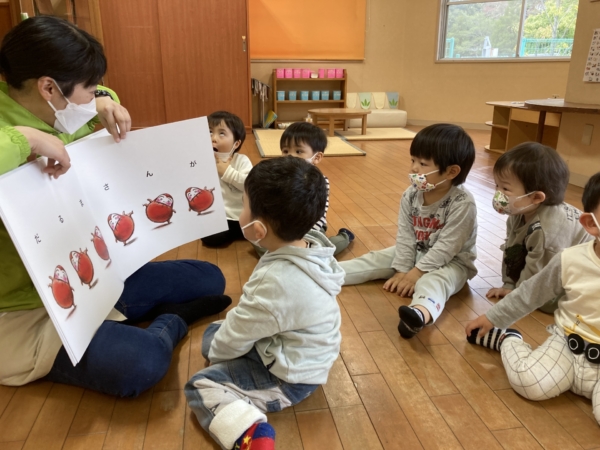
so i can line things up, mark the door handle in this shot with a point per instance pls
(243, 43)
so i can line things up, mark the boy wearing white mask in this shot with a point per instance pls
(531, 180)
(279, 343)
(570, 358)
(437, 227)
(228, 133)
(308, 142)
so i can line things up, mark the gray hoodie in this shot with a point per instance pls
(289, 313)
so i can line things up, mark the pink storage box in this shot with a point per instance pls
(330, 73)
(297, 73)
(289, 73)
(321, 73)
(339, 73)
(305, 73)
(280, 73)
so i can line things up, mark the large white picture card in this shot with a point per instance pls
(119, 206)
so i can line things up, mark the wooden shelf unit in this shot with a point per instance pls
(512, 124)
(296, 110)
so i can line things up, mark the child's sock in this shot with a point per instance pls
(347, 232)
(492, 339)
(191, 311)
(411, 321)
(260, 436)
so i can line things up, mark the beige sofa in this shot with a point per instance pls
(382, 116)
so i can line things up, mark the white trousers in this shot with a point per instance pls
(550, 370)
(432, 291)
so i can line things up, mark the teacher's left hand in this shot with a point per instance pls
(114, 117)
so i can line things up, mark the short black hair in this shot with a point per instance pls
(231, 121)
(591, 194)
(446, 145)
(288, 193)
(539, 168)
(52, 47)
(304, 133)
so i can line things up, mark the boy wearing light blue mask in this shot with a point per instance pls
(227, 133)
(531, 180)
(569, 360)
(437, 227)
(279, 343)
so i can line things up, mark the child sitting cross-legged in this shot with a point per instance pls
(531, 180)
(278, 345)
(308, 142)
(570, 358)
(437, 228)
(227, 133)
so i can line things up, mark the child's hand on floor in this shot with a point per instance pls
(498, 293)
(406, 287)
(482, 322)
(222, 165)
(391, 284)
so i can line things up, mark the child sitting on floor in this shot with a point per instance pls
(570, 358)
(437, 228)
(307, 141)
(278, 345)
(228, 133)
(531, 180)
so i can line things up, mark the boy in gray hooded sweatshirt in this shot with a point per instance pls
(278, 345)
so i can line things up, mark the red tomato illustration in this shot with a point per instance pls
(122, 226)
(100, 245)
(61, 289)
(160, 209)
(83, 266)
(199, 199)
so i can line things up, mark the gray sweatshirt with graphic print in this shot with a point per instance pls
(431, 236)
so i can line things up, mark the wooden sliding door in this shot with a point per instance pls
(204, 57)
(172, 60)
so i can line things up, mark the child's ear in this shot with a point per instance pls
(236, 145)
(452, 171)
(538, 197)
(587, 221)
(318, 158)
(259, 230)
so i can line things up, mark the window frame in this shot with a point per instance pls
(444, 6)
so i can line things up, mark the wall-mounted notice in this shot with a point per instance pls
(592, 65)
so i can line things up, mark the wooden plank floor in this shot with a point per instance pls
(435, 391)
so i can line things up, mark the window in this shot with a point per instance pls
(522, 29)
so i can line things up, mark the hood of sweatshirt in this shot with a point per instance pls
(316, 261)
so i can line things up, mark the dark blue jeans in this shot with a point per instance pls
(125, 360)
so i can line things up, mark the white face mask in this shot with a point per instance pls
(504, 204)
(419, 181)
(256, 241)
(311, 159)
(224, 156)
(73, 117)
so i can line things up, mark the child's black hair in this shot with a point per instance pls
(591, 194)
(304, 133)
(539, 168)
(231, 121)
(288, 193)
(46, 46)
(446, 145)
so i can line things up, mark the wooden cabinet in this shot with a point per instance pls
(172, 60)
(513, 124)
(296, 110)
